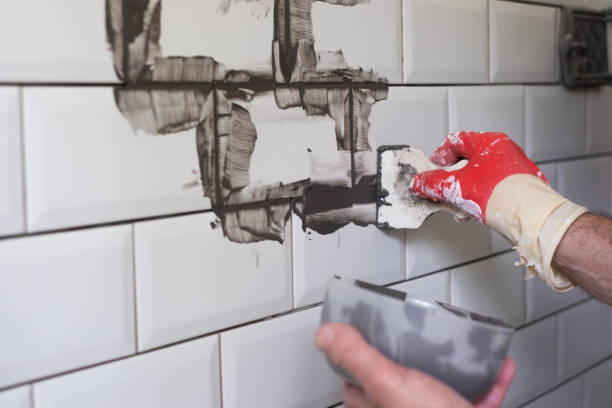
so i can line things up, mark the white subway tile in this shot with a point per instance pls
(441, 242)
(310, 136)
(554, 122)
(597, 390)
(66, 300)
(191, 280)
(599, 120)
(377, 46)
(186, 375)
(488, 109)
(85, 165)
(542, 300)
(534, 351)
(16, 398)
(415, 116)
(366, 253)
(276, 364)
(583, 337)
(493, 287)
(586, 182)
(445, 41)
(432, 288)
(11, 178)
(184, 23)
(523, 45)
(570, 394)
(47, 41)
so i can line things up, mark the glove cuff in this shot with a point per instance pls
(534, 217)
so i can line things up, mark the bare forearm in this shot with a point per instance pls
(585, 255)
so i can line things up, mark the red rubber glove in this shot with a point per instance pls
(507, 192)
(491, 158)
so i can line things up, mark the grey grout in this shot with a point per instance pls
(567, 380)
(24, 183)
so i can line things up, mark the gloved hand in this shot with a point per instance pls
(506, 191)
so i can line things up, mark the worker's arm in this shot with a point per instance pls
(585, 255)
(388, 385)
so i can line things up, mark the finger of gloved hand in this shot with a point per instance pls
(355, 397)
(496, 395)
(345, 346)
(456, 147)
(431, 185)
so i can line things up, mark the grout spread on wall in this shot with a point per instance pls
(165, 95)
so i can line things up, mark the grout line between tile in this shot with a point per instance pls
(32, 396)
(571, 378)
(220, 372)
(489, 45)
(24, 183)
(134, 291)
(106, 224)
(402, 40)
(292, 265)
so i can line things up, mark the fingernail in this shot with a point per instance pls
(324, 337)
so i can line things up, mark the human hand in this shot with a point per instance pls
(491, 158)
(385, 384)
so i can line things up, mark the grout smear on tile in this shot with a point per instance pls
(165, 95)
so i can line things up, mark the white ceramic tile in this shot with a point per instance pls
(583, 337)
(243, 32)
(11, 180)
(554, 122)
(16, 398)
(598, 392)
(186, 376)
(534, 351)
(599, 120)
(523, 46)
(586, 182)
(445, 41)
(276, 364)
(570, 394)
(274, 125)
(365, 253)
(51, 42)
(598, 4)
(493, 287)
(441, 243)
(416, 116)
(377, 47)
(85, 165)
(542, 300)
(66, 300)
(487, 109)
(191, 280)
(431, 288)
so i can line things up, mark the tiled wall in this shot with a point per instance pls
(115, 290)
